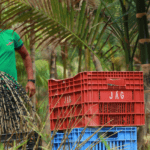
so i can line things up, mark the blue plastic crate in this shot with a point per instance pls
(118, 138)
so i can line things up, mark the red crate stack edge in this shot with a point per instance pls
(97, 98)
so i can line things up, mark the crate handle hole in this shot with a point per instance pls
(61, 131)
(114, 79)
(108, 134)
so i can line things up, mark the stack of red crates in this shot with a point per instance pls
(97, 99)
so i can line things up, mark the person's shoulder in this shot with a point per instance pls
(8, 31)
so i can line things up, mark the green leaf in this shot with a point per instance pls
(95, 23)
(81, 17)
(100, 35)
(20, 145)
(72, 18)
(54, 30)
(104, 142)
(1, 146)
(55, 9)
(96, 32)
(62, 14)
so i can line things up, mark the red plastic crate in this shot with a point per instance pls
(97, 87)
(108, 95)
(98, 120)
(123, 114)
(98, 109)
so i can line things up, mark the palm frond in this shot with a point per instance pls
(54, 21)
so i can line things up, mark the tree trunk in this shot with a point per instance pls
(69, 72)
(97, 63)
(126, 42)
(64, 49)
(53, 75)
(32, 55)
(143, 32)
(53, 63)
(80, 56)
(145, 129)
(87, 59)
(145, 59)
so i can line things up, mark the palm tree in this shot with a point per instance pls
(144, 43)
(124, 28)
(57, 22)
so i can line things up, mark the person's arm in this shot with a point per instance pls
(30, 87)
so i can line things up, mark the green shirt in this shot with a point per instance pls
(9, 42)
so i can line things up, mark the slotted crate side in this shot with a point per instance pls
(72, 146)
(120, 137)
(119, 145)
(96, 96)
(98, 120)
(99, 84)
(115, 74)
(117, 133)
(99, 78)
(84, 86)
(89, 86)
(98, 109)
(94, 75)
(120, 114)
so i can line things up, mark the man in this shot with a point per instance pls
(9, 43)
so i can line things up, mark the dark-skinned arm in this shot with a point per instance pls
(30, 87)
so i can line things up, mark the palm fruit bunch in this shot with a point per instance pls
(14, 106)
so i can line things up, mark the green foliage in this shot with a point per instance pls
(80, 25)
(16, 146)
(21, 71)
(124, 29)
(104, 142)
(42, 73)
(1, 146)
(57, 23)
(42, 107)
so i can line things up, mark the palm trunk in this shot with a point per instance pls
(64, 58)
(129, 62)
(80, 56)
(145, 59)
(143, 32)
(32, 55)
(87, 60)
(69, 72)
(97, 63)
(112, 58)
(53, 63)
(53, 75)
(69, 68)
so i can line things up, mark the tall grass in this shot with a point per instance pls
(38, 123)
